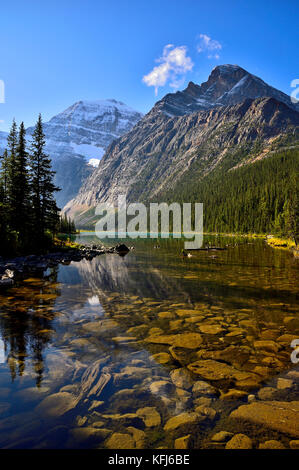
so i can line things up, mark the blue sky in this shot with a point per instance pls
(53, 53)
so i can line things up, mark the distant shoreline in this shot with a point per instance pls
(271, 240)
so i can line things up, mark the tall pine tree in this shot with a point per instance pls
(45, 211)
(4, 207)
(11, 163)
(4, 176)
(20, 193)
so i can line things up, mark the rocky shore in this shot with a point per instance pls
(22, 266)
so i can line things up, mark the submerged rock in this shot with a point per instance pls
(203, 388)
(221, 436)
(214, 370)
(294, 444)
(95, 379)
(88, 435)
(272, 444)
(139, 436)
(211, 329)
(129, 373)
(182, 419)
(182, 340)
(150, 416)
(206, 412)
(160, 387)
(161, 358)
(239, 441)
(206, 401)
(120, 441)
(269, 346)
(276, 415)
(267, 393)
(57, 404)
(102, 326)
(283, 384)
(125, 419)
(233, 394)
(182, 442)
(181, 378)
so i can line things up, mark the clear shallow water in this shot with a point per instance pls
(93, 348)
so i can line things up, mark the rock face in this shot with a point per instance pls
(197, 128)
(276, 415)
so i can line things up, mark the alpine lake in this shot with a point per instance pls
(153, 350)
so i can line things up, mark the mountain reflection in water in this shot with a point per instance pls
(113, 345)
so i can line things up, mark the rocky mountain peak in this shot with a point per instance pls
(226, 85)
(193, 89)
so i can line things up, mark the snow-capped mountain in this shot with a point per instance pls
(77, 138)
(87, 128)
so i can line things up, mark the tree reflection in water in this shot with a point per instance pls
(26, 316)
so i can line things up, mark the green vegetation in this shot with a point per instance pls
(255, 198)
(29, 217)
(66, 225)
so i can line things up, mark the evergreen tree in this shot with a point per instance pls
(45, 211)
(4, 175)
(292, 224)
(20, 193)
(4, 221)
(66, 225)
(258, 198)
(11, 163)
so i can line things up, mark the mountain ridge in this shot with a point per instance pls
(225, 85)
(173, 138)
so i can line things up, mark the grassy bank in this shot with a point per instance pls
(285, 243)
(62, 242)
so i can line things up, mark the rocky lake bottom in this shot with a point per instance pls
(153, 350)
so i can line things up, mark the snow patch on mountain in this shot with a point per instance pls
(88, 151)
(94, 162)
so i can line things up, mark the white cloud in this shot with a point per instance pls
(173, 64)
(207, 44)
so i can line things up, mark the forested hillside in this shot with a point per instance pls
(256, 198)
